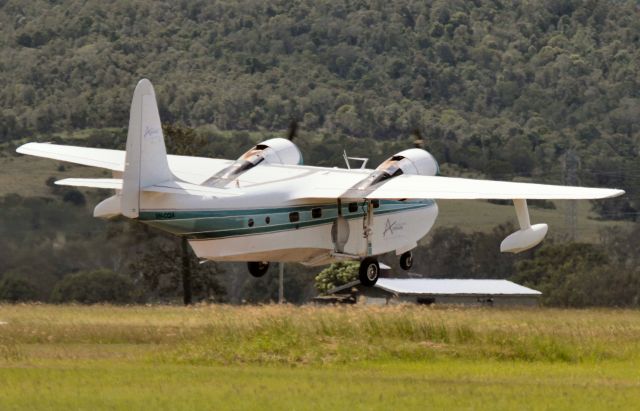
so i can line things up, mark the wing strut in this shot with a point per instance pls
(367, 222)
(522, 212)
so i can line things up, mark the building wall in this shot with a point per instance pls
(491, 301)
(374, 296)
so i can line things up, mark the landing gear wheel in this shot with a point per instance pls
(258, 268)
(406, 260)
(369, 271)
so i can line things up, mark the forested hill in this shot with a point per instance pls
(504, 88)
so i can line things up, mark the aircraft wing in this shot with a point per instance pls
(171, 187)
(192, 169)
(93, 157)
(436, 187)
(327, 183)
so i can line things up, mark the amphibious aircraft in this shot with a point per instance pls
(267, 206)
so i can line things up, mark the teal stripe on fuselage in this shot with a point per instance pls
(230, 223)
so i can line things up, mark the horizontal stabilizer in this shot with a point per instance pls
(168, 187)
(180, 187)
(108, 183)
(192, 169)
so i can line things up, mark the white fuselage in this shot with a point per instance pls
(261, 225)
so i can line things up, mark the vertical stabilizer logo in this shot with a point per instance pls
(152, 134)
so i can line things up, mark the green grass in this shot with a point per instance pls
(284, 357)
(436, 385)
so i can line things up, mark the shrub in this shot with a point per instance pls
(74, 197)
(337, 274)
(17, 289)
(94, 287)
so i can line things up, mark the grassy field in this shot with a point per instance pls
(484, 216)
(27, 175)
(285, 357)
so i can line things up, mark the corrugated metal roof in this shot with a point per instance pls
(452, 286)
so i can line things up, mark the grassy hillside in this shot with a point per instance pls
(265, 357)
(505, 89)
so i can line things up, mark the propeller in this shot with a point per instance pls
(293, 130)
(419, 141)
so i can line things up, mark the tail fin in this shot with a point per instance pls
(146, 158)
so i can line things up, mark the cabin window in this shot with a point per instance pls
(353, 207)
(267, 219)
(376, 203)
(316, 212)
(294, 217)
(250, 222)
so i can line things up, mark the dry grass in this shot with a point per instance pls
(320, 335)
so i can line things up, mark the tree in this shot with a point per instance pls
(566, 274)
(184, 141)
(166, 264)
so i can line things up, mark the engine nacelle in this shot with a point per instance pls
(411, 161)
(273, 151)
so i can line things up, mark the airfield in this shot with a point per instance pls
(292, 357)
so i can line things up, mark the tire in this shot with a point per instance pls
(406, 260)
(258, 268)
(369, 271)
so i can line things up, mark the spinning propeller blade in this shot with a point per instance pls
(419, 141)
(293, 130)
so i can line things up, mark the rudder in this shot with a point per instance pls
(146, 157)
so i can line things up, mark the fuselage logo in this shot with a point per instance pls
(392, 227)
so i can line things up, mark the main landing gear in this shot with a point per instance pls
(369, 271)
(406, 260)
(258, 268)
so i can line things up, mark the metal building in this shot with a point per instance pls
(435, 291)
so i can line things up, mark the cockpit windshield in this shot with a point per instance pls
(390, 168)
(252, 153)
(246, 162)
(240, 167)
